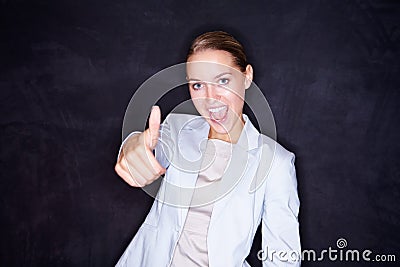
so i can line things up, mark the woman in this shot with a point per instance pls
(213, 224)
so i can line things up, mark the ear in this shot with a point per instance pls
(248, 76)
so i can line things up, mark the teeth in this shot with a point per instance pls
(217, 109)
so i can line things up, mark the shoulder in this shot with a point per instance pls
(279, 152)
(277, 165)
(280, 174)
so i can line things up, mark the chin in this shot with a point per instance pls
(219, 127)
(223, 125)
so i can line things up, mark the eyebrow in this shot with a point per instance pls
(216, 77)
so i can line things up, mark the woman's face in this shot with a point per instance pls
(217, 88)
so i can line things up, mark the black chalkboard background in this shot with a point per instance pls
(330, 70)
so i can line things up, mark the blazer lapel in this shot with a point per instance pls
(192, 141)
(191, 145)
(243, 165)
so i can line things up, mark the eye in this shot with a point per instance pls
(223, 81)
(197, 86)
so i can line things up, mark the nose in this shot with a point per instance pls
(212, 92)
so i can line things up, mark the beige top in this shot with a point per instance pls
(191, 249)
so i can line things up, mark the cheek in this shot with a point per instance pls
(236, 99)
(198, 102)
(194, 96)
(198, 97)
(237, 105)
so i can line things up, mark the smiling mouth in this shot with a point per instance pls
(218, 114)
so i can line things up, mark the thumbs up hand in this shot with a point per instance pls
(137, 164)
(152, 132)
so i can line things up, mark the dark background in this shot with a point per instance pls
(329, 69)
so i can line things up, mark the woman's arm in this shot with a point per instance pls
(280, 226)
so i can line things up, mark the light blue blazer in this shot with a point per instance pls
(260, 186)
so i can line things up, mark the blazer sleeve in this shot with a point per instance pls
(280, 226)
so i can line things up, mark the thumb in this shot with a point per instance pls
(154, 126)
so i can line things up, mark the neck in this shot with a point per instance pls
(232, 136)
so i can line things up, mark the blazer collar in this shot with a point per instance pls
(248, 138)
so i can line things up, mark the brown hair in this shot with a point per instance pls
(219, 40)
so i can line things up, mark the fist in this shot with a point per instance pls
(137, 164)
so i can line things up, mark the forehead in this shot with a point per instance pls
(210, 63)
